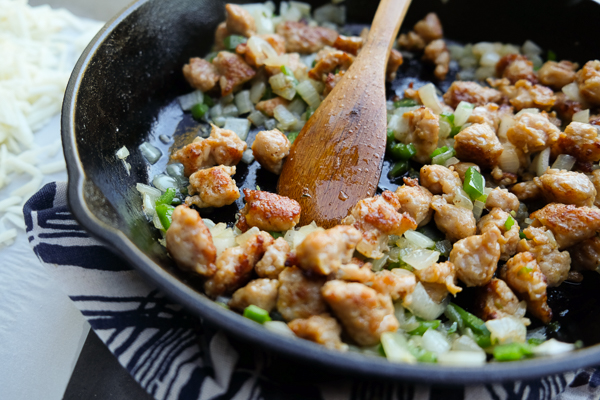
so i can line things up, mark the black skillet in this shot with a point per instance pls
(122, 93)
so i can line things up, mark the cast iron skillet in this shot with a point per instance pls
(122, 92)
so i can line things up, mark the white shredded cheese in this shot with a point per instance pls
(38, 49)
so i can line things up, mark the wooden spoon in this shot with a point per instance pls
(336, 159)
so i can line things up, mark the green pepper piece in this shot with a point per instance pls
(535, 341)
(422, 355)
(512, 351)
(551, 55)
(256, 314)
(439, 151)
(199, 110)
(167, 197)
(232, 41)
(474, 183)
(165, 212)
(268, 93)
(452, 328)
(292, 136)
(424, 325)
(454, 131)
(440, 159)
(510, 221)
(390, 138)
(309, 112)
(405, 103)
(448, 117)
(399, 168)
(276, 235)
(401, 151)
(209, 101)
(465, 320)
(522, 235)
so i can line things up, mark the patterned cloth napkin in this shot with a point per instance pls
(172, 355)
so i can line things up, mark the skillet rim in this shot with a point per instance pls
(249, 331)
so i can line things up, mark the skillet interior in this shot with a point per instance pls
(122, 91)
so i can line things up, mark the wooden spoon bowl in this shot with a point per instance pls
(336, 159)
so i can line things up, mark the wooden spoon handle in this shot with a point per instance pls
(336, 159)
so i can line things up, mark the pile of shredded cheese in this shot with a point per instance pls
(38, 49)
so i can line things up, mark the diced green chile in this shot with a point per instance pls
(439, 151)
(474, 184)
(256, 314)
(167, 197)
(510, 221)
(232, 41)
(465, 320)
(399, 168)
(512, 351)
(292, 136)
(405, 103)
(199, 110)
(424, 325)
(276, 235)
(401, 151)
(165, 212)
(287, 71)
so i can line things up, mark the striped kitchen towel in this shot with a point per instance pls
(172, 355)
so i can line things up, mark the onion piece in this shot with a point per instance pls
(466, 343)
(261, 48)
(564, 161)
(530, 48)
(421, 258)
(429, 98)
(282, 86)
(309, 94)
(150, 153)
(509, 160)
(122, 153)
(164, 182)
(377, 265)
(528, 111)
(462, 199)
(230, 110)
(284, 116)
(243, 102)
(241, 126)
(257, 118)
(248, 156)
(462, 113)
(257, 91)
(279, 327)
(572, 92)
(507, 330)
(478, 207)
(582, 116)
(451, 161)
(330, 13)
(187, 101)
(552, 347)
(176, 170)
(421, 305)
(396, 348)
(419, 240)
(462, 358)
(435, 342)
(541, 162)
(297, 106)
(506, 123)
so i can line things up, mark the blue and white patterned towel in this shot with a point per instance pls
(173, 356)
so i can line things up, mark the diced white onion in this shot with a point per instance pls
(377, 265)
(216, 111)
(149, 190)
(462, 199)
(230, 110)
(482, 73)
(248, 156)
(122, 153)
(507, 330)
(297, 106)
(262, 14)
(302, 233)
(506, 123)
(257, 91)
(223, 237)
(419, 240)
(541, 162)
(435, 342)
(257, 118)
(225, 100)
(187, 101)
(271, 124)
(309, 94)
(150, 153)
(462, 358)
(396, 348)
(466, 343)
(552, 347)
(582, 116)
(175, 170)
(243, 103)
(451, 161)
(400, 127)
(489, 59)
(421, 305)
(421, 258)
(282, 86)
(429, 98)
(564, 161)
(572, 92)
(462, 113)
(278, 61)
(478, 207)
(530, 48)
(279, 327)
(445, 129)
(219, 121)
(241, 126)
(284, 116)
(509, 160)
(164, 182)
